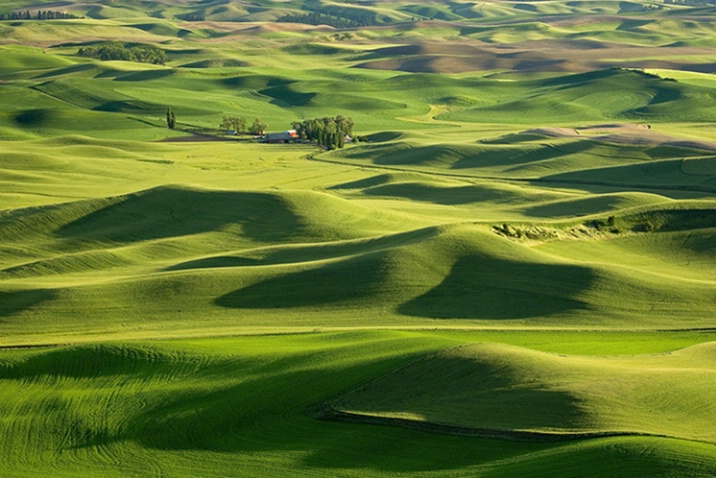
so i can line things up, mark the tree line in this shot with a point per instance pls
(361, 17)
(315, 18)
(120, 51)
(192, 17)
(329, 132)
(39, 15)
(238, 125)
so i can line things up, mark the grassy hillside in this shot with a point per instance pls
(434, 222)
(266, 239)
(212, 406)
(485, 388)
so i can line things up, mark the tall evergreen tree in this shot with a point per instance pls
(171, 119)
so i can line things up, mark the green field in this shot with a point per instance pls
(510, 273)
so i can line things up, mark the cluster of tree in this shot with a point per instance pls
(359, 16)
(192, 17)
(238, 125)
(39, 15)
(233, 123)
(120, 51)
(258, 127)
(327, 132)
(315, 18)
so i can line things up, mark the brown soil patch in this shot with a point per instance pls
(251, 27)
(575, 56)
(629, 134)
(216, 26)
(552, 132)
(194, 138)
(611, 127)
(286, 27)
(236, 32)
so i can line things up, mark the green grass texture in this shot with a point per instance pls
(485, 388)
(521, 242)
(212, 406)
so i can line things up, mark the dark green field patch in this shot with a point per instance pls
(16, 301)
(170, 212)
(517, 392)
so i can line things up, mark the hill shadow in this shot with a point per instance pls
(266, 413)
(338, 282)
(660, 175)
(88, 361)
(488, 288)
(215, 263)
(509, 155)
(145, 75)
(441, 195)
(130, 106)
(284, 95)
(577, 207)
(68, 70)
(34, 117)
(474, 393)
(15, 302)
(312, 253)
(171, 212)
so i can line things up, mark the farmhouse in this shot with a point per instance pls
(288, 136)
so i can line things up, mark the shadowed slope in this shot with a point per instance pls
(613, 94)
(408, 269)
(498, 288)
(680, 243)
(172, 212)
(15, 301)
(301, 251)
(687, 174)
(593, 204)
(511, 390)
(175, 211)
(467, 273)
(493, 279)
(212, 406)
(553, 157)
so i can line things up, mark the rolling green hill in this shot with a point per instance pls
(486, 388)
(212, 406)
(513, 261)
